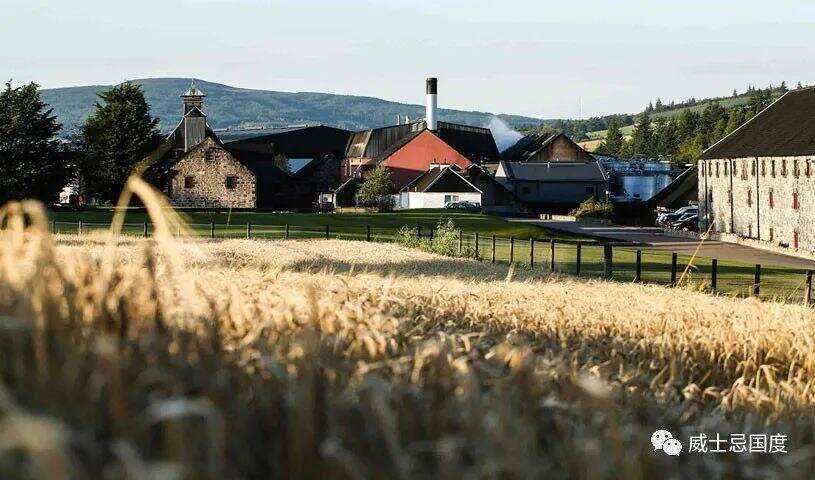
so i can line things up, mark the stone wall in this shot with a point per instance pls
(209, 173)
(763, 199)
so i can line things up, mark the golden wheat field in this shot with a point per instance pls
(177, 359)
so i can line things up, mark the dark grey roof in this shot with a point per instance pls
(295, 142)
(555, 171)
(785, 128)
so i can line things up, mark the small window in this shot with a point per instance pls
(772, 236)
(795, 203)
(231, 182)
(796, 171)
(744, 169)
(717, 169)
(450, 198)
(729, 197)
(710, 195)
(749, 197)
(189, 182)
(770, 198)
(725, 167)
(795, 239)
(764, 168)
(750, 231)
(209, 155)
(809, 168)
(753, 167)
(784, 167)
(772, 168)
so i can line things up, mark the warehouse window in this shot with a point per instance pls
(749, 197)
(784, 167)
(753, 168)
(750, 231)
(717, 169)
(209, 155)
(764, 168)
(729, 197)
(231, 182)
(710, 195)
(809, 168)
(795, 203)
(189, 182)
(772, 168)
(771, 234)
(796, 172)
(795, 239)
(744, 169)
(725, 167)
(770, 198)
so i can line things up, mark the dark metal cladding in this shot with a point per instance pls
(432, 86)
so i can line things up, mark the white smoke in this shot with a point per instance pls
(504, 135)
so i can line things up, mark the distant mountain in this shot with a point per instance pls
(236, 108)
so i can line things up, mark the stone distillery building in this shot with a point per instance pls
(758, 183)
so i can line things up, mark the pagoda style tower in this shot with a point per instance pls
(193, 98)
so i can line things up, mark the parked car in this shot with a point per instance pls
(323, 207)
(665, 219)
(463, 205)
(689, 222)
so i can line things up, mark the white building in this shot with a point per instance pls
(437, 187)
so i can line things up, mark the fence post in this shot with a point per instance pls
(287, 231)
(511, 249)
(531, 252)
(757, 281)
(476, 243)
(248, 229)
(577, 259)
(211, 229)
(327, 231)
(460, 242)
(80, 227)
(493, 248)
(552, 255)
(714, 274)
(674, 257)
(144, 229)
(368, 233)
(638, 271)
(808, 291)
(608, 260)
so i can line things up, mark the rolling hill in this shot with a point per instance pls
(232, 107)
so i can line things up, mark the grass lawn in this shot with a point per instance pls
(308, 224)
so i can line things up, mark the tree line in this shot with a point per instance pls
(97, 158)
(683, 138)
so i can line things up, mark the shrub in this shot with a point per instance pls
(591, 208)
(445, 240)
(376, 190)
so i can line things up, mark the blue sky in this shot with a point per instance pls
(540, 58)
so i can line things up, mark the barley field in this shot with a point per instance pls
(165, 358)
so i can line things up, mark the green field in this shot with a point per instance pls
(734, 278)
(303, 224)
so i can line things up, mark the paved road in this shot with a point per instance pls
(653, 238)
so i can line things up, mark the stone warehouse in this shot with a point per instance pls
(759, 182)
(280, 170)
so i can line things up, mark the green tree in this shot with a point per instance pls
(376, 190)
(666, 141)
(783, 88)
(643, 137)
(32, 164)
(613, 142)
(119, 134)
